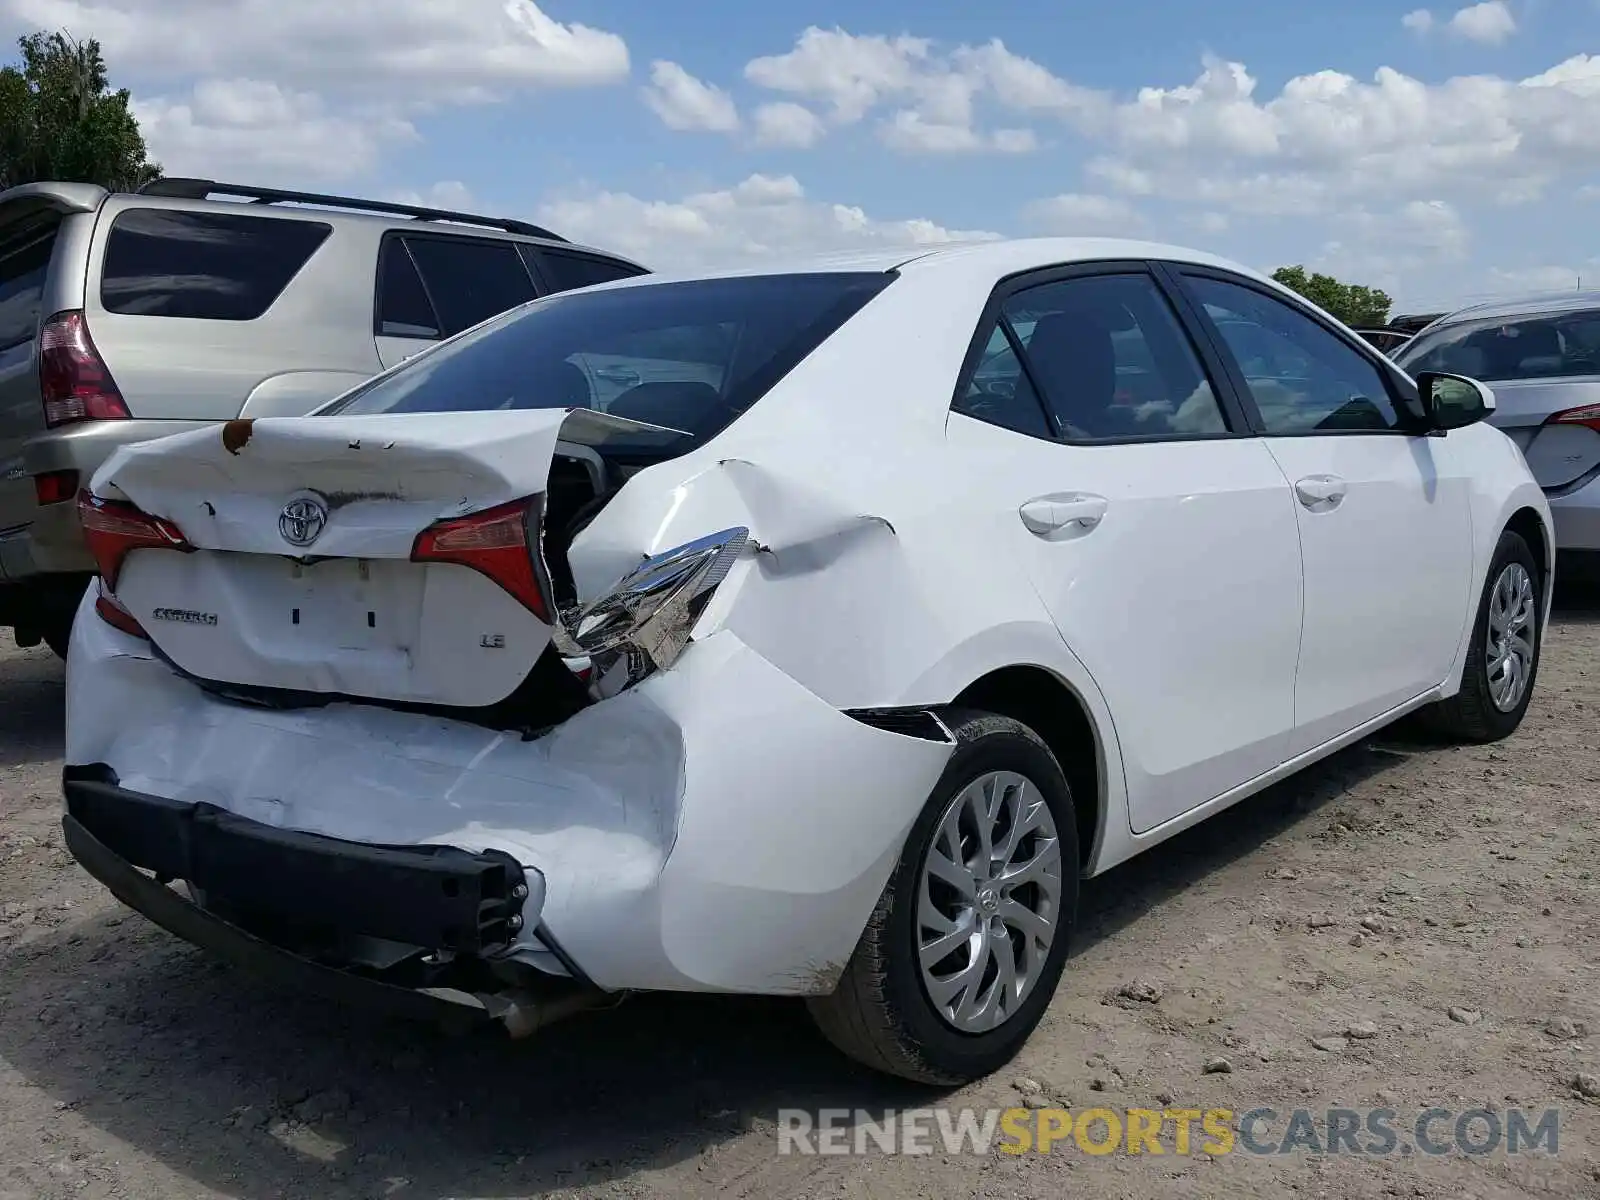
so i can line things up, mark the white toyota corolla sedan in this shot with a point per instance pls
(805, 632)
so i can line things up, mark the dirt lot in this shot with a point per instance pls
(1360, 903)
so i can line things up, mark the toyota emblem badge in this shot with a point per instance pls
(302, 520)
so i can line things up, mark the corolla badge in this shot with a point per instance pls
(302, 520)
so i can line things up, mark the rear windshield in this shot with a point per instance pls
(24, 265)
(1543, 346)
(690, 356)
(207, 266)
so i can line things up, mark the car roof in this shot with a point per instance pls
(1521, 306)
(987, 260)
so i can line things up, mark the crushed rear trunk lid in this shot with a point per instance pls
(391, 558)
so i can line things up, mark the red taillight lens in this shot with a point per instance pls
(114, 615)
(74, 383)
(499, 542)
(54, 487)
(1588, 415)
(112, 529)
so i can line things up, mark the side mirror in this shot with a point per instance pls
(1453, 401)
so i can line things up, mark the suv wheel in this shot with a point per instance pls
(967, 943)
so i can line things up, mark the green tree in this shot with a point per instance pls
(1356, 305)
(60, 120)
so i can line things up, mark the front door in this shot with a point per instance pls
(1384, 517)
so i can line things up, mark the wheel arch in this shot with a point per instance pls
(1530, 526)
(1049, 705)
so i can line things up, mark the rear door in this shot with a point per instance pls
(1383, 509)
(431, 286)
(1159, 533)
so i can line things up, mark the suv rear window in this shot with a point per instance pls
(688, 355)
(209, 266)
(1541, 346)
(24, 265)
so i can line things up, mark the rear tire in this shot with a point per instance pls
(882, 1014)
(1481, 711)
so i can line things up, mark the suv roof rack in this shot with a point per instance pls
(203, 189)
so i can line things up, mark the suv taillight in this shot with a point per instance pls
(74, 383)
(112, 530)
(499, 542)
(1588, 414)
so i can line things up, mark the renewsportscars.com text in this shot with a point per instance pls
(1379, 1132)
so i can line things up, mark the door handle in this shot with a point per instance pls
(1045, 515)
(1320, 492)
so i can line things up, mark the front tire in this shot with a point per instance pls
(1503, 655)
(964, 950)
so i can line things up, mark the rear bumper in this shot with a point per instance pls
(437, 897)
(717, 828)
(54, 542)
(199, 927)
(1577, 517)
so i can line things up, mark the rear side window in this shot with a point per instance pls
(1108, 358)
(1541, 346)
(404, 309)
(202, 265)
(688, 355)
(566, 271)
(470, 281)
(24, 265)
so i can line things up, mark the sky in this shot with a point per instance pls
(1445, 154)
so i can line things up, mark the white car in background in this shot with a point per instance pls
(932, 584)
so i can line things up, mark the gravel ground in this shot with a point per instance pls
(1403, 926)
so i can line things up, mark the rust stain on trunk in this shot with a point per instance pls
(235, 434)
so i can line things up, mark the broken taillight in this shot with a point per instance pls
(74, 382)
(113, 529)
(114, 615)
(500, 542)
(1588, 414)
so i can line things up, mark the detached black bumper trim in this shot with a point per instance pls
(434, 897)
(231, 944)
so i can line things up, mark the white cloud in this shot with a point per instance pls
(1327, 139)
(909, 130)
(307, 88)
(261, 133)
(850, 73)
(764, 216)
(934, 94)
(787, 124)
(684, 102)
(1490, 22)
(1075, 213)
(403, 49)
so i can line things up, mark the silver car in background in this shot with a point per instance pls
(127, 317)
(1541, 355)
